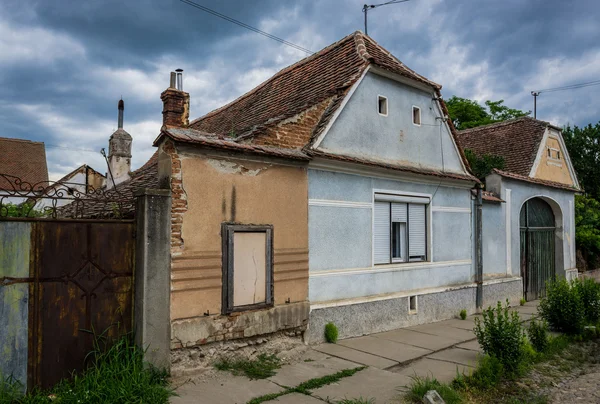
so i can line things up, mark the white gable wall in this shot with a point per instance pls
(360, 131)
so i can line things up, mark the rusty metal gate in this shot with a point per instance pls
(537, 247)
(70, 269)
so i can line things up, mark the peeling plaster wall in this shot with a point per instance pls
(14, 262)
(222, 189)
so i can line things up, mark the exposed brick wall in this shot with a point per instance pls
(179, 203)
(295, 132)
(176, 107)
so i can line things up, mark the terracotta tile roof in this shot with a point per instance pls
(488, 196)
(23, 159)
(403, 168)
(328, 73)
(535, 181)
(219, 142)
(517, 141)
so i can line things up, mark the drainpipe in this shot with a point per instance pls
(479, 248)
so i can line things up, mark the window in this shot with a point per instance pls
(400, 229)
(553, 154)
(247, 267)
(413, 305)
(416, 115)
(382, 106)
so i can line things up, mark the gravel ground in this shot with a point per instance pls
(584, 388)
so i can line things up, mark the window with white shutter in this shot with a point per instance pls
(399, 229)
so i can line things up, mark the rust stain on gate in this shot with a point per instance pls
(81, 284)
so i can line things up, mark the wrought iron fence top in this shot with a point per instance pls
(51, 199)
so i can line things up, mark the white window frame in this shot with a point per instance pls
(412, 115)
(428, 225)
(387, 105)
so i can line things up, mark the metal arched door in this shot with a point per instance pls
(537, 247)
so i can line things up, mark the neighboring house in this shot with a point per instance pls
(23, 169)
(79, 182)
(337, 181)
(531, 234)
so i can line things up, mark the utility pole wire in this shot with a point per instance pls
(366, 8)
(536, 93)
(244, 25)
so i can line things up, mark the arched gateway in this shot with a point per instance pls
(537, 247)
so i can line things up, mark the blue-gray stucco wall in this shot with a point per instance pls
(340, 238)
(516, 193)
(14, 262)
(360, 130)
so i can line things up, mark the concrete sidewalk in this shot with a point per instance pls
(438, 349)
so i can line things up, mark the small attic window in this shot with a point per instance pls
(382, 105)
(416, 113)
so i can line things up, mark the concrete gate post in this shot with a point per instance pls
(152, 275)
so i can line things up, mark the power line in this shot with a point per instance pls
(244, 25)
(366, 8)
(569, 87)
(70, 148)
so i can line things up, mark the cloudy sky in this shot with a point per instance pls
(64, 64)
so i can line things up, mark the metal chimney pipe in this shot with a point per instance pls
(121, 108)
(173, 83)
(179, 79)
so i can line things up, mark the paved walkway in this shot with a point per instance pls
(439, 349)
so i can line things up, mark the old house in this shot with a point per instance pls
(23, 160)
(531, 233)
(344, 170)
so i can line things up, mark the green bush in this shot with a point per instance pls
(501, 336)
(463, 314)
(489, 373)
(538, 335)
(562, 307)
(522, 301)
(589, 292)
(331, 333)
(421, 385)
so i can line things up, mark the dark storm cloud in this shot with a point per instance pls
(64, 64)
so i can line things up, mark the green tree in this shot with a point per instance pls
(467, 113)
(583, 145)
(483, 166)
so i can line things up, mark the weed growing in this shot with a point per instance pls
(262, 367)
(463, 314)
(331, 333)
(117, 374)
(421, 385)
(538, 335)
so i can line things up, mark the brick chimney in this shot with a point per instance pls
(176, 102)
(119, 153)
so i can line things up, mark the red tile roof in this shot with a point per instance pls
(517, 141)
(535, 181)
(327, 74)
(23, 159)
(219, 142)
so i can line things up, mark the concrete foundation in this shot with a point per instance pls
(385, 314)
(203, 330)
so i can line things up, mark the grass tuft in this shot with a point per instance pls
(421, 385)
(116, 374)
(262, 367)
(359, 400)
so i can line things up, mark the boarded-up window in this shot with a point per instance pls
(399, 228)
(247, 267)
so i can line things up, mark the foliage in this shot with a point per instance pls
(117, 375)
(307, 386)
(538, 335)
(501, 335)
(359, 400)
(467, 113)
(421, 385)
(562, 307)
(522, 301)
(463, 314)
(20, 210)
(483, 166)
(489, 373)
(262, 367)
(589, 293)
(331, 333)
(587, 228)
(583, 145)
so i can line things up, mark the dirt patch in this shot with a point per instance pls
(196, 364)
